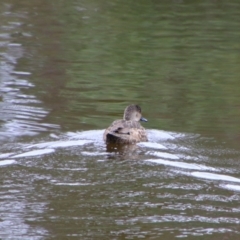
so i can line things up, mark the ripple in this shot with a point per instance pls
(180, 164)
(95, 135)
(14, 44)
(72, 184)
(72, 169)
(158, 135)
(20, 113)
(34, 153)
(185, 219)
(60, 144)
(231, 187)
(163, 155)
(5, 155)
(94, 153)
(20, 83)
(151, 145)
(21, 73)
(18, 127)
(214, 176)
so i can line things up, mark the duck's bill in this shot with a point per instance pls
(143, 119)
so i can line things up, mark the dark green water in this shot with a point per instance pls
(69, 68)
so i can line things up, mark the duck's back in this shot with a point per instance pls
(122, 131)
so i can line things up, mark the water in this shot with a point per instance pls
(68, 69)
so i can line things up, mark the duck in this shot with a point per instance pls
(127, 130)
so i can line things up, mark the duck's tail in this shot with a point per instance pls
(112, 138)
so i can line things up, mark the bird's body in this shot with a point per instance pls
(127, 130)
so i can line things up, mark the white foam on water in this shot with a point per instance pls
(158, 135)
(151, 145)
(180, 164)
(214, 176)
(52, 135)
(5, 155)
(7, 162)
(163, 155)
(34, 153)
(94, 135)
(231, 187)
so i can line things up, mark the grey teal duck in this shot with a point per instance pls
(127, 130)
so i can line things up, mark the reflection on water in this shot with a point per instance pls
(21, 113)
(68, 68)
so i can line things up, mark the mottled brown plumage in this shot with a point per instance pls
(128, 129)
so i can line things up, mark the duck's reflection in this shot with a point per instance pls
(124, 151)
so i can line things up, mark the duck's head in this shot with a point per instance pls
(134, 113)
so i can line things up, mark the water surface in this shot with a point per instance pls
(68, 69)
